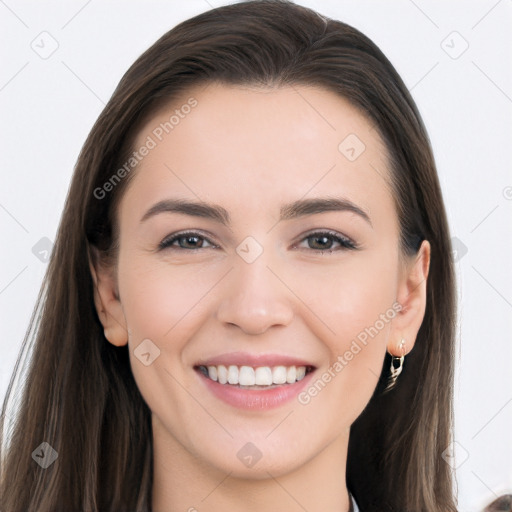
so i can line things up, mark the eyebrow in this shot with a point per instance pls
(294, 210)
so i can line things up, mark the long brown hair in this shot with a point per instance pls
(80, 396)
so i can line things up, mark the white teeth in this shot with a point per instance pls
(279, 374)
(260, 376)
(291, 374)
(233, 374)
(212, 372)
(222, 374)
(247, 376)
(263, 376)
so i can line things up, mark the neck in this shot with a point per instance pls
(182, 481)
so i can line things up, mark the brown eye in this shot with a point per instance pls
(320, 242)
(190, 241)
(328, 242)
(185, 241)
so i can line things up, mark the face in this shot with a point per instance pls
(289, 265)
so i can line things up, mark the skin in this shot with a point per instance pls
(251, 150)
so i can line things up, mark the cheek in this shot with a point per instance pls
(347, 294)
(163, 303)
(353, 303)
(156, 298)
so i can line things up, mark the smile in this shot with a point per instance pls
(262, 377)
(257, 387)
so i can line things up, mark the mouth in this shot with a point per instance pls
(256, 382)
(255, 377)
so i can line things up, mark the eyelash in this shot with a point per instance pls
(345, 243)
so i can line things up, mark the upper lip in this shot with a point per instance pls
(254, 360)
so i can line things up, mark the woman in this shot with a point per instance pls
(250, 303)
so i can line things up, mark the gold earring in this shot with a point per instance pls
(395, 371)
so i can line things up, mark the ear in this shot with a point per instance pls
(106, 300)
(412, 296)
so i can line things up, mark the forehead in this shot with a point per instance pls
(250, 147)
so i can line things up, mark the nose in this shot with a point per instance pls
(255, 298)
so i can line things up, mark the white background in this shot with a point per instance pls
(48, 106)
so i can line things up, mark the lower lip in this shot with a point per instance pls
(255, 399)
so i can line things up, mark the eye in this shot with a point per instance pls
(189, 240)
(320, 241)
(325, 241)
